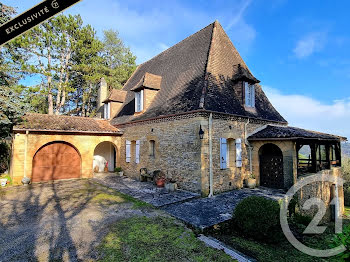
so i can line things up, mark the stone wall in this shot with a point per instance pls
(84, 143)
(177, 149)
(183, 156)
(323, 191)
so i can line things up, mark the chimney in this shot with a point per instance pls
(102, 94)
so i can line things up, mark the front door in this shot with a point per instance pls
(271, 167)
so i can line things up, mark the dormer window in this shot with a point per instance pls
(139, 101)
(249, 94)
(107, 111)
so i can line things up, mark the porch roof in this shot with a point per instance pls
(70, 124)
(271, 132)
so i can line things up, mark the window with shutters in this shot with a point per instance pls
(137, 151)
(107, 111)
(223, 153)
(238, 152)
(139, 101)
(249, 94)
(127, 151)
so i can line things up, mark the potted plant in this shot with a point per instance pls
(106, 167)
(119, 170)
(159, 178)
(170, 185)
(251, 181)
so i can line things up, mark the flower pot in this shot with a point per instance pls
(3, 182)
(251, 182)
(121, 173)
(171, 186)
(160, 182)
(105, 169)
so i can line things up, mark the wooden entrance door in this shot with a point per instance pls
(271, 167)
(55, 161)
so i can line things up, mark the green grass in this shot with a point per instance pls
(105, 196)
(154, 240)
(282, 251)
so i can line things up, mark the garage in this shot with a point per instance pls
(54, 161)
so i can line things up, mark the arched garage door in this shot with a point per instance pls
(58, 160)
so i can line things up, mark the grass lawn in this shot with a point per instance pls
(281, 251)
(155, 239)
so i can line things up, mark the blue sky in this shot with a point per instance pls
(298, 49)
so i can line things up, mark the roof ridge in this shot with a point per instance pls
(205, 86)
(84, 117)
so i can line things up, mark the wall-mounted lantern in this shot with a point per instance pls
(201, 132)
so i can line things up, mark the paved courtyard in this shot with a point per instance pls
(144, 191)
(186, 206)
(206, 212)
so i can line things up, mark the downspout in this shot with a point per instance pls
(211, 190)
(249, 147)
(25, 155)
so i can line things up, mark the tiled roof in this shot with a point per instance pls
(150, 81)
(198, 73)
(42, 122)
(116, 95)
(291, 133)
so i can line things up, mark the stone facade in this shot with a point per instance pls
(322, 190)
(183, 156)
(85, 144)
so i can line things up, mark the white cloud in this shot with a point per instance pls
(306, 112)
(310, 44)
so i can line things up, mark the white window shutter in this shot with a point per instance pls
(137, 152)
(141, 100)
(105, 111)
(108, 110)
(238, 152)
(223, 153)
(127, 151)
(253, 95)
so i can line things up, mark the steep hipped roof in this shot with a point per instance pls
(198, 73)
(53, 123)
(291, 133)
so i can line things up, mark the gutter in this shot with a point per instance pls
(249, 147)
(211, 182)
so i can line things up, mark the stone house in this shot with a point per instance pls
(194, 111)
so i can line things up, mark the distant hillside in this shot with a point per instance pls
(345, 148)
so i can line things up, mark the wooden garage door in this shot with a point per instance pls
(56, 161)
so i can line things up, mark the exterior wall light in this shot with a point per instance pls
(201, 132)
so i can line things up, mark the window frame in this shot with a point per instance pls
(139, 101)
(107, 111)
(249, 95)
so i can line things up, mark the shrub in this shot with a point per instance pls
(343, 239)
(4, 157)
(347, 194)
(258, 217)
(118, 169)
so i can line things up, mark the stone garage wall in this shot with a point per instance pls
(84, 143)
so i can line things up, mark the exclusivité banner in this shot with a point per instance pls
(32, 18)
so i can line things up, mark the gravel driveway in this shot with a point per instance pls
(59, 221)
